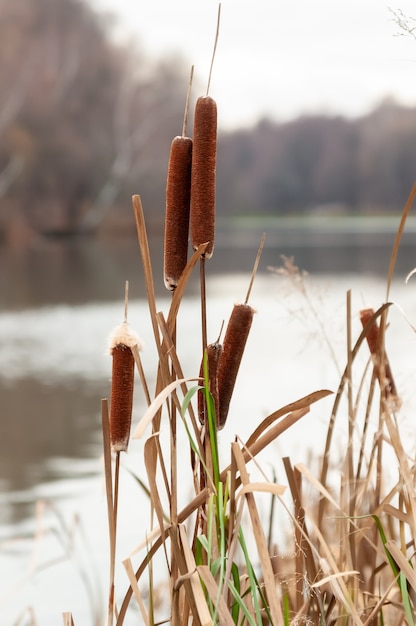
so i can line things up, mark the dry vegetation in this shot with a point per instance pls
(350, 557)
(351, 554)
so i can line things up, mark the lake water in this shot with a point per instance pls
(58, 303)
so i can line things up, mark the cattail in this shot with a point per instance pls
(233, 348)
(178, 197)
(384, 375)
(203, 174)
(121, 342)
(214, 351)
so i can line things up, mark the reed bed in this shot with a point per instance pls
(350, 555)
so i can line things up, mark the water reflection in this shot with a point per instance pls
(40, 424)
(81, 270)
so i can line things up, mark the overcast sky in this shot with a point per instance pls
(282, 58)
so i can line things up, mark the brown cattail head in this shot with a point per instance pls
(121, 342)
(178, 198)
(379, 356)
(214, 351)
(233, 348)
(203, 174)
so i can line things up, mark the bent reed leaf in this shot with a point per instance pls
(156, 404)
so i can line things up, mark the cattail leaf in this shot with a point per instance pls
(302, 403)
(258, 533)
(156, 404)
(135, 587)
(197, 594)
(212, 588)
(331, 577)
(188, 397)
(150, 461)
(272, 488)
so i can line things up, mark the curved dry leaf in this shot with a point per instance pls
(183, 281)
(331, 577)
(302, 403)
(272, 488)
(155, 405)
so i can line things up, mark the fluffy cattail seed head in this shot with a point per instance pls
(121, 342)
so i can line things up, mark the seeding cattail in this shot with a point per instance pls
(121, 342)
(178, 195)
(384, 374)
(214, 351)
(233, 348)
(203, 174)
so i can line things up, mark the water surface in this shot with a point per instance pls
(59, 302)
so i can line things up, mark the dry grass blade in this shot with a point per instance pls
(150, 460)
(171, 350)
(397, 240)
(130, 574)
(139, 365)
(147, 266)
(301, 467)
(180, 288)
(189, 576)
(304, 554)
(335, 578)
(155, 405)
(260, 539)
(257, 487)
(224, 617)
(344, 379)
(105, 422)
(302, 403)
(405, 470)
(402, 563)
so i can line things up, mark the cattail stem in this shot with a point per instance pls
(217, 32)
(255, 267)
(188, 99)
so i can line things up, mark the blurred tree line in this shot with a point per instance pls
(321, 164)
(85, 123)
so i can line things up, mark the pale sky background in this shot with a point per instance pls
(281, 58)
